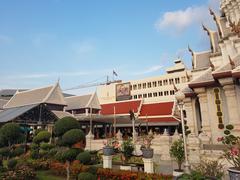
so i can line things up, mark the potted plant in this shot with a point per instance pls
(147, 151)
(232, 152)
(127, 149)
(177, 153)
(110, 146)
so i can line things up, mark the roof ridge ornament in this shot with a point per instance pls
(216, 21)
(188, 77)
(175, 88)
(192, 53)
(211, 65)
(231, 62)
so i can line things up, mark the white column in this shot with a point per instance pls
(107, 162)
(202, 95)
(148, 165)
(89, 140)
(191, 120)
(231, 101)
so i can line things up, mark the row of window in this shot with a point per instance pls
(155, 94)
(164, 82)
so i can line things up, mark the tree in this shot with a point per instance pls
(65, 124)
(11, 134)
(73, 136)
(177, 152)
(42, 136)
(70, 138)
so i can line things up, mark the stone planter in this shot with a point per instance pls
(177, 172)
(234, 174)
(125, 167)
(108, 151)
(147, 153)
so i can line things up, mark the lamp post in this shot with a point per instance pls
(180, 97)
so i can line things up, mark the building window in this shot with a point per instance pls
(149, 95)
(135, 96)
(154, 84)
(139, 96)
(155, 94)
(139, 86)
(130, 87)
(160, 93)
(177, 80)
(134, 87)
(149, 84)
(144, 85)
(172, 92)
(165, 93)
(183, 79)
(159, 83)
(145, 95)
(170, 81)
(165, 82)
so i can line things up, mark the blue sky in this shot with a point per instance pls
(81, 41)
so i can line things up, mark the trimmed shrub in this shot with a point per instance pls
(11, 134)
(70, 154)
(18, 151)
(84, 157)
(65, 124)
(92, 169)
(73, 136)
(43, 136)
(46, 146)
(11, 164)
(5, 152)
(86, 176)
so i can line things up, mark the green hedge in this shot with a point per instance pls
(86, 176)
(73, 136)
(43, 136)
(65, 124)
(84, 157)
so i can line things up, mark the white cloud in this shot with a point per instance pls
(41, 39)
(178, 21)
(47, 75)
(149, 70)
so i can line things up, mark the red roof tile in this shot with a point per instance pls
(157, 109)
(120, 108)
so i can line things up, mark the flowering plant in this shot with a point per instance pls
(232, 153)
(112, 142)
(146, 141)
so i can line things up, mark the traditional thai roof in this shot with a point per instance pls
(121, 108)
(226, 69)
(157, 109)
(48, 95)
(213, 36)
(61, 114)
(179, 66)
(82, 102)
(204, 79)
(201, 60)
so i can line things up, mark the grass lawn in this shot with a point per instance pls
(46, 175)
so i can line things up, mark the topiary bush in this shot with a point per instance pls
(65, 124)
(18, 151)
(46, 146)
(10, 134)
(5, 151)
(70, 154)
(84, 157)
(73, 136)
(11, 164)
(43, 136)
(86, 176)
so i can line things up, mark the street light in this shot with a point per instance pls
(180, 97)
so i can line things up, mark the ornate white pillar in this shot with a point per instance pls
(231, 101)
(191, 120)
(107, 162)
(203, 101)
(148, 165)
